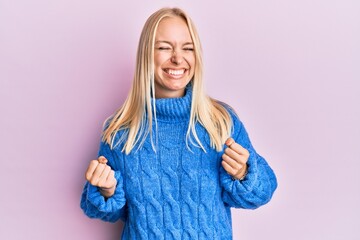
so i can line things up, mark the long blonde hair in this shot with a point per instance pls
(136, 114)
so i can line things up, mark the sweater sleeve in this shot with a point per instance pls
(260, 182)
(94, 204)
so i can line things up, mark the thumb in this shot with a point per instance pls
(229, 141)
(102, 160)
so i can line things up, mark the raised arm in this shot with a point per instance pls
(103, 195)
(249, 182)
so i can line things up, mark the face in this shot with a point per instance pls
(174, 58)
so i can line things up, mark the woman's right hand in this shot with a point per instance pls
(100, 175)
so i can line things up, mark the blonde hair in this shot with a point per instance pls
(136, 114)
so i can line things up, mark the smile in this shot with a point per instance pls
(175, 72)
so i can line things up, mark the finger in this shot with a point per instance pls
(104, 176)
(236, 156)
(229, 141)
(102, 159)
(233, 163)
(239, 149)
(97, 173)
(111, 176)
(91, 168)
(111, 180)
(228, 168)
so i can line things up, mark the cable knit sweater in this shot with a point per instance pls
(177, 192)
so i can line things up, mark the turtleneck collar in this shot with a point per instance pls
(174, 109)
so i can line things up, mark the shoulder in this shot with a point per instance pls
(233, 115)
(239, 132)
(114, 142)
(113, 151)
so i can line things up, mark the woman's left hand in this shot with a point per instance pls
(235, 158)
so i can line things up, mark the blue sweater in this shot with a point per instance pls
(177, 193)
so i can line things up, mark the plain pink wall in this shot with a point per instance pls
(291, 69)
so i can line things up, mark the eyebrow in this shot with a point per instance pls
(160, 41)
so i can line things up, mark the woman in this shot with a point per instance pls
(163, 167)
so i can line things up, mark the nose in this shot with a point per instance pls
(176, 58)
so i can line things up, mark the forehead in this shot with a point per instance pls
(173, 29)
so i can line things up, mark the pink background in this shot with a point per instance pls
(291, 69)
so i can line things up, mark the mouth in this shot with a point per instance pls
(175, 72)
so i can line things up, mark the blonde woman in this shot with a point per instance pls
(173, 161)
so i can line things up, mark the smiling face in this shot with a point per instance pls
(174, 58)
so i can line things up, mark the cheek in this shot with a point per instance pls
(159, 59)
(156, 62)
(191, 61)
(192, 64)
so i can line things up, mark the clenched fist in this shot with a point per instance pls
(235, 159)
(101, 175)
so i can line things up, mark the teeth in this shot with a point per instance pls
(176, 72)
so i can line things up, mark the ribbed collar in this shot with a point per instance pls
(174, 109)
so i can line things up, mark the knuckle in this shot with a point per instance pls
(87, 176)
(247, 153)
(228, 169)
(225, 156)
(93, 162)
(113, 183)
(100, 168)
(110, 184)
(105, 184)
(93, 182)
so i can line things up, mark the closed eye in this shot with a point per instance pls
(164, 48)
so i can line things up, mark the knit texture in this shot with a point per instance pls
(176, 192)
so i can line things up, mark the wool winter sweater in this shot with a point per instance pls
(178, 192)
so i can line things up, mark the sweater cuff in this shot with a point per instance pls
(111, 204)
(237, 187)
